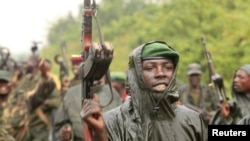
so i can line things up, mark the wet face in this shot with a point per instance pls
(241, 82)
(157, 73)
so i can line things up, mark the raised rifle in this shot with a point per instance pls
(96, 57)
(34, 47)
(61, 60)
(216, 79)
(5, 55)
(63, 47)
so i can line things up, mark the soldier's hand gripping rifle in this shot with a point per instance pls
(96, 57)
(216, 79)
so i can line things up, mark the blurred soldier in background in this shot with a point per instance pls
(196, 94)
(75, 61)
(39, 87)
(6, 62)
(232, 112)
(42, 100)
(5, 136)
(13, 109)
(67, 124)
(118, 82)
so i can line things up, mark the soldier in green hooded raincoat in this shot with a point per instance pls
(231, 112)
(151, 113)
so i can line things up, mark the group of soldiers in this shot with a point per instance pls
(28, 97)
(206, 100)
(37, 105)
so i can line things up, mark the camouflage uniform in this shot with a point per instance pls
(206, 101)
(36, 90)
(14, 115)
(69, 110)
(40, 113)
(5, 136)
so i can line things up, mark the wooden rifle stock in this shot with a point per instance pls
(216, 79)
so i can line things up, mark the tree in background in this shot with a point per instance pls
(181, 23)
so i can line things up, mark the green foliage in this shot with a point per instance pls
(181, 23)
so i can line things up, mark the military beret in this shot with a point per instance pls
(159, 49)
(5, 75)
(118, 76)
(76, 59)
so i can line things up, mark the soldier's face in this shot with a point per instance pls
(194, 79)
(241, 82)
(157, 73)
(4, 87)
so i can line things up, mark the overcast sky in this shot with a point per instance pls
(24, 21)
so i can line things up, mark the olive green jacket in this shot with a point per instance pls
(206, 101)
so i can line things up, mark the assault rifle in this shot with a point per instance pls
(63, 47)
(5, 55)
(63, 72)
(61, 60)
(34, 47)
(96, 57)
(216, 79)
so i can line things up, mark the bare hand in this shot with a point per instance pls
(92, 114)
(225, 109)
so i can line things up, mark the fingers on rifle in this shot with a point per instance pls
(90, 107)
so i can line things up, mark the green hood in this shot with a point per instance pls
(140, 93)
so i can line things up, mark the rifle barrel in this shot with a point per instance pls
(215, 77)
